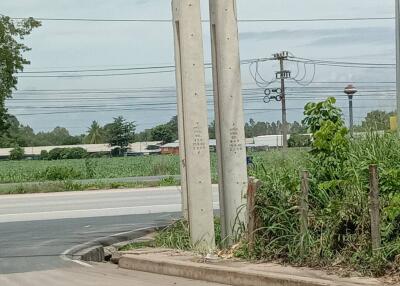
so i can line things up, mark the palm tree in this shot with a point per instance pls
(95, 134)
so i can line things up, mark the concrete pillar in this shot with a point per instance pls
(193, 126)
(229, 119)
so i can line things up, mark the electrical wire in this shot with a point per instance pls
(240, 20)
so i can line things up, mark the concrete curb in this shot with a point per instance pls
(219, 274)
(93, 251)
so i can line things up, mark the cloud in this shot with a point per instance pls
(323, 37)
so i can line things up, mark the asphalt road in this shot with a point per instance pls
(36, 229)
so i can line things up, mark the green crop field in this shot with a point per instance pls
(30, 171)
(99, 168)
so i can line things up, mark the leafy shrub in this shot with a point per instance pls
(74, 153)
(55, 154)
(58, 173)
(339, 220)
(90, 167)
(44, 155)
(299, 140)
(17, 153)
(67, 153)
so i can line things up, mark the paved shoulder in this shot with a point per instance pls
(99, 275)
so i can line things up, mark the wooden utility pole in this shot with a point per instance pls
(283, 75)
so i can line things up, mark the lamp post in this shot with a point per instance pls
(350, 90)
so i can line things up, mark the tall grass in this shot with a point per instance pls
(339, 220)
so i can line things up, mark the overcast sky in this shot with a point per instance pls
(79, 45)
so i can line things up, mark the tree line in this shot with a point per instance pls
(121, 132)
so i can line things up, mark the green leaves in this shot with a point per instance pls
(11, 58)
(318, 113)
(120, 133)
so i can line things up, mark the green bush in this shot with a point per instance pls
(55, 154)
(59, 173)
(44, 155)
(338, 219)
(17, 153)
(299, 140)
(67, 153)
(74, 153)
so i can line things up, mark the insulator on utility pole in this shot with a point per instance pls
(282, 75)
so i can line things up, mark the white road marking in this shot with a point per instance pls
(102, 212)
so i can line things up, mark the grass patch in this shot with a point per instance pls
(339, 219)
(137, 245)
(71, 186)
(174, 236)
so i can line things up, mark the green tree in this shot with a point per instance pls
(330, 144)
(376, 120)
(17, 153)
(120, 133)
(162, 133)
(11, 59)
(95, 134)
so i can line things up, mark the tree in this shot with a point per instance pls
(11, 59)
(162, 133)
(120, 133)
(169, 129)
(95, 134)
(17, 153)
(57, 137)
(376, 120)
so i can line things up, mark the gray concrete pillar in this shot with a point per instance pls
(229, 119)
(193, 126)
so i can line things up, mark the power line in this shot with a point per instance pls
(95, 75)
(99, 70)
(174, 109)
(160, 70)
(206, 21)
(341, 64)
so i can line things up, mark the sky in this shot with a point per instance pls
(65, 45)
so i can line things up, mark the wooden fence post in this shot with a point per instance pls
(304, 207)
(251, 210)
(374, 207)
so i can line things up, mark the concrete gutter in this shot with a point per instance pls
(220, 274)
(93, 251)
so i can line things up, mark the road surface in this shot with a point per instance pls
(36, 229)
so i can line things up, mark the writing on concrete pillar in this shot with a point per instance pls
(198, 140)
(235, 144)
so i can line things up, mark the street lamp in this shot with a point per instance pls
(350, 90)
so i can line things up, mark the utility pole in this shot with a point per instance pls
(398, 62)
(283, 75)
(193, 127)
(229, 117)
